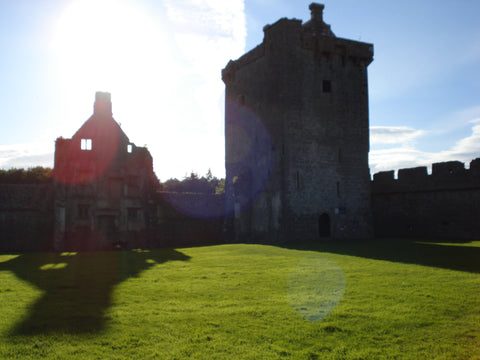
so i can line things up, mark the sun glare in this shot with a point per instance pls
(112, 46)
(161, 62)
(119, 47)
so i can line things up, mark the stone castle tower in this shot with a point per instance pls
(297, 135)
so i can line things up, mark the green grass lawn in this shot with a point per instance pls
(383, 299)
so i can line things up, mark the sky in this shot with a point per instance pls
(161, 61)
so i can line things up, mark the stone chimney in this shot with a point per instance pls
(316, 11)
(103, 104)
(315, 25)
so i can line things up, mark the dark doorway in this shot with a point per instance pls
(108, 232)
(324, 225)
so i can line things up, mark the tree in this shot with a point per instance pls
(209, 175)
(220, 188)
(192, 183)
(172, 185)
(36, 175)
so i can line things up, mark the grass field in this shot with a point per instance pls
(383, 299)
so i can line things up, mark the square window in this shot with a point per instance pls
(86, 144)
(327, 86)
(83, 212)
(132, 213)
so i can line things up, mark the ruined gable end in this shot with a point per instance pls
(103, 183)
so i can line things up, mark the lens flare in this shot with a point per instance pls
(200, 206)
(250, 154)
(315, 287)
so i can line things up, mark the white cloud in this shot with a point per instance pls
(163, 70)
(26, 155)
(465, 149)
(401, 157)
(393, 134)
(456, 119)
(207, 34)
(397, 158)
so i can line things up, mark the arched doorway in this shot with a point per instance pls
(324, 225)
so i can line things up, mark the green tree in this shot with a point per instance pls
(193, 183)
(220, 188)
(36, 175)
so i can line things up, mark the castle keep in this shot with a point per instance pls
(297, 135)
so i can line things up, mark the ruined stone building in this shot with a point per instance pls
(105, 195)
(297, 135)
(103, 183)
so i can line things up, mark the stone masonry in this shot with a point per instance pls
(296, 158)
(102, 185)
(445, 204)
(297, 135)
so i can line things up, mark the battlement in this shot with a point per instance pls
(450, 175)
(286, 125)
(314, 36)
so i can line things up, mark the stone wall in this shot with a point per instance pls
(26, 217)
(445, 204)
(173, 219)
(296, 135)
(185, 219)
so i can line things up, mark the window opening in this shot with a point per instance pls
(83, 211)
(129, 148)
(132, 213)
(327, 86)
(86, 144)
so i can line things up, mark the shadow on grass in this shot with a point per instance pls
(77, 287)
(437, 253)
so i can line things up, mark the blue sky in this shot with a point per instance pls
(161, 61)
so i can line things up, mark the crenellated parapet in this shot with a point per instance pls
(296, 135)
(314, 36)
(450, 175)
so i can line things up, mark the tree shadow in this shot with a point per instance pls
(447, 254)
(77, 287)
